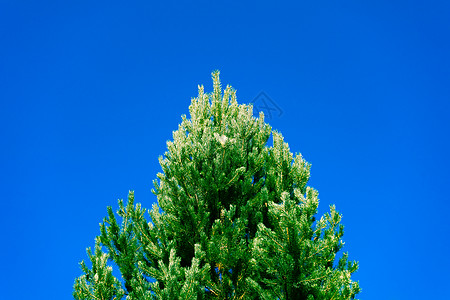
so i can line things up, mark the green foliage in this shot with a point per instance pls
(98, 282)
(235, 220)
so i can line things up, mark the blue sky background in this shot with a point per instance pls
(90, 91)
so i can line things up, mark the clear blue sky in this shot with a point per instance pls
(91, 90)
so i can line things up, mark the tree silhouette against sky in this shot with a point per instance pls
(235, 219)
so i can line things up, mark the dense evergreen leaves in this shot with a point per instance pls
(235, 220)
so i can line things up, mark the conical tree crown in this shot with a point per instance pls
(237, 220)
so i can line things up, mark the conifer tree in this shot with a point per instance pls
(235, 219)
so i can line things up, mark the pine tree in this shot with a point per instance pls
(235, 219)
